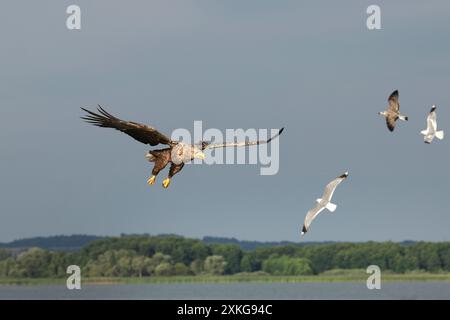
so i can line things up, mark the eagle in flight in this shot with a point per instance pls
(177, 153)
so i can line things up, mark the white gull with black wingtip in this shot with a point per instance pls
(431, 131)
(324, 202)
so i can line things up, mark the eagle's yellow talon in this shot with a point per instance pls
(151, 180)
(166, 183)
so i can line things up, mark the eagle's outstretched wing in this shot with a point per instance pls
(140, 132)
(206, 145)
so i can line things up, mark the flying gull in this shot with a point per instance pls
(392, 114)
(431, 131)
(324, 202)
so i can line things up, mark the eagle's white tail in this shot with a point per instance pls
(331, 207)
(440, 135)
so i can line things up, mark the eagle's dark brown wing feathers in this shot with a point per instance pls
(140, 132)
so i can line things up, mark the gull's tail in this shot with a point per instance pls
(331, 206)
(440, 134)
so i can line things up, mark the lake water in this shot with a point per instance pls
(269, 291)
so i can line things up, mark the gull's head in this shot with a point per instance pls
(382, 113)
(344, 175)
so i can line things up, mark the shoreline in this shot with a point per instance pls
(226, 279)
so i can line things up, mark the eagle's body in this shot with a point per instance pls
(161, 158)
(177, 156)
(177, 153)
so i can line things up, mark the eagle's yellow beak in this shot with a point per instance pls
(200, 155)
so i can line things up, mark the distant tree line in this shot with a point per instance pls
(144, 256)
(57, 243)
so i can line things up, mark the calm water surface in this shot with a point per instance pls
(269, 291)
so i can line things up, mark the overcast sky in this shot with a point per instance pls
(311, 66)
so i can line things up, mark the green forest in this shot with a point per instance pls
(150, 256)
